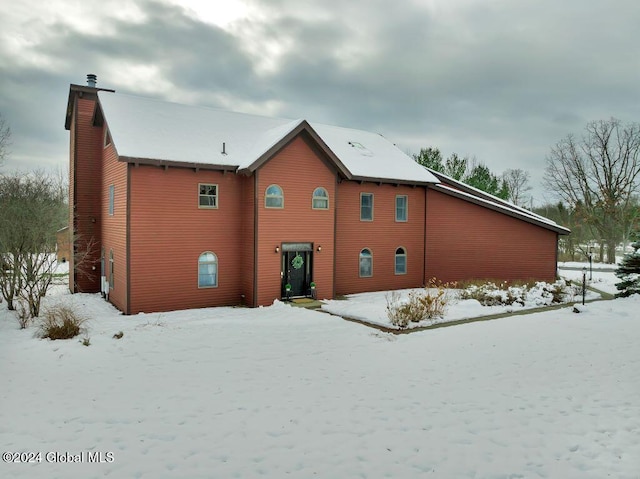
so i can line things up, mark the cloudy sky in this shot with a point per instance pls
(501, 80)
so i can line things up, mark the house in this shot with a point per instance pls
(196, 207)
(63, 242)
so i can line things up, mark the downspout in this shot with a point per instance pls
(335, 229)
(255, 239)
(424, 239)
(128, 242)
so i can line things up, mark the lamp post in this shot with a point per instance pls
(590, 263)
(584, 283)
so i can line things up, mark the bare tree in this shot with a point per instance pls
(517, 182)
(600, 172)
(32, 209)
(5, 139)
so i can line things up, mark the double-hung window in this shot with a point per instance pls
(401, 261)
(207, 196)
(366, 206)
(401, 208)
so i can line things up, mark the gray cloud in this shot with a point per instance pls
(500, 80)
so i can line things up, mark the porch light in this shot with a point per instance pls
(319, 249)
(277, 249)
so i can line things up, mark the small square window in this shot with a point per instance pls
(207, 196)
(366, 206)
(401, 208)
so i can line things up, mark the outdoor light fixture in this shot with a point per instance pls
(319, 249)
(584, 283)
(277, 249)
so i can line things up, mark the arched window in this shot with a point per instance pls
(320, 199)
(366, 263)
(274, 198)
(207, 270)
(401, 261)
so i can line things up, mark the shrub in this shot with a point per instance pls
(24, 318)
(428, 304)
(61, 322)
(490, 294)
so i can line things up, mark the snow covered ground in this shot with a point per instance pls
(284, 392)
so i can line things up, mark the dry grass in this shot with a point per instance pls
(61, 322)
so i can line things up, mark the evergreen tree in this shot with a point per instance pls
(629, 273)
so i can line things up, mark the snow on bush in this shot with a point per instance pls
(539, 293)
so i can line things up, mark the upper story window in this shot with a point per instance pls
(112, 198)
(366, 263)
(320, 199)
(207, 196)
(274, 198)
(401, 261)
(401, 207)
(207, 270)
(107, 137)
(366, 206)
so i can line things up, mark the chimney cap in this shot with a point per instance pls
(92, 80)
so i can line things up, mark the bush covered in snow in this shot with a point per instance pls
(540, 293)
(629, 273)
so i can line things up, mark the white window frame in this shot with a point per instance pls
(400, 255)
(362, 195)
(202, 195)
(321, 195)
(270, 196)
(365, 256)
(208, 263)
(406, 209)
(112, 199)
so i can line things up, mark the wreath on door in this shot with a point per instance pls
(297, 261)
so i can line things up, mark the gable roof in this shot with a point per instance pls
(144, 129)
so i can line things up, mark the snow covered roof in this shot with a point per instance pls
(148, 129)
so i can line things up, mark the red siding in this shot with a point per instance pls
(468, 241)
(114, 227)
(168, 232)
(84, 193)
(247, 243)
(382, 236)
(298, 170)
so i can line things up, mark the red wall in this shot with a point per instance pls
(298, 170)
(114, 227)
(85, 182)
(168, 232)
(468, 241)
(382, 236)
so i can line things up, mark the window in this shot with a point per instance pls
(112, 198)
(207, 270)
(366, 206)
(366, 263)
(111, 269)
(208, 196)
(401, 261)
(401, 208)
(273, 197)
(320, 199)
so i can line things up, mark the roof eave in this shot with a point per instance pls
(80, 90)
(177, 164)
(303, 126)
